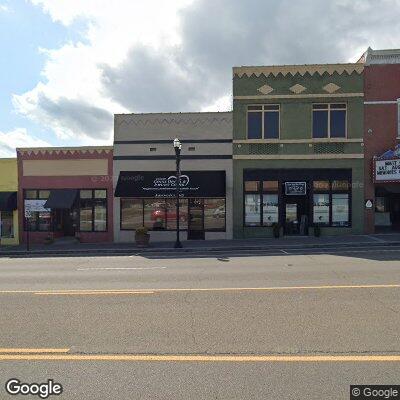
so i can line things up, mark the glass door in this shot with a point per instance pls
(196, 219)
(291, 219)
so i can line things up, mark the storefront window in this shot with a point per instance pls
(251, 186)
(154, 214)
(321, 209)
(100, 217)
(93, 210)
(270, 186)
(85, 218)
(380, 204)
(340, 209)
(170, 205)
(340, 185)
(214, 214)
(7, 230)
(270, 209)
(38, 221)
(44, 221)
(252, 209)
(131, 213)
(321, 185)
(160, 214)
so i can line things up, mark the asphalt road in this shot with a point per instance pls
(293, 325)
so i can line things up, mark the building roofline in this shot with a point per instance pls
(178, 113)
(72, 148)
(301, 69)
(384, 56)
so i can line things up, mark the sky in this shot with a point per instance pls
(66, 66)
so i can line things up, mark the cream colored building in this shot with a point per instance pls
(144, 172)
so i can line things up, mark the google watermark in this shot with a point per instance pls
(361, 392)
(44, 390)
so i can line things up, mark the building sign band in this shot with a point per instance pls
(163, 184)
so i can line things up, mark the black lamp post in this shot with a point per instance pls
(177, 148)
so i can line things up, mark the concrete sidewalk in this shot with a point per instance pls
(76, 248)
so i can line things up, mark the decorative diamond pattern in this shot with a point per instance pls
(297, 88)
(331, 88)
(265, 89)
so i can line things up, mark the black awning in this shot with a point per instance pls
(61, 198)
(8, 201)
(163, 184)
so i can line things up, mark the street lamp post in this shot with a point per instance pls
(177, 148)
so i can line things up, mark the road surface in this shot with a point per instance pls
(233, 325)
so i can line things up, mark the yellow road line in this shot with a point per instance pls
(201, 358)
(96, 293)
(32, 350)
(232, 289)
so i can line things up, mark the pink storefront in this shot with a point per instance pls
(65, 193)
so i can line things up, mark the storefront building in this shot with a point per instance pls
(382, 138)
(298, 149)
(145, 184)
(8, 202)
(65, 192)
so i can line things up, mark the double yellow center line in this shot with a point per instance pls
(96, 292)
(54, 354)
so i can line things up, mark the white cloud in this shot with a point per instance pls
(18, 137)
(176, 55)
(73, 72)
(4, 7)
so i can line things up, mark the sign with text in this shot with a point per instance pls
(295, 188)
(163, 184)
(32, 206)
(387, 170)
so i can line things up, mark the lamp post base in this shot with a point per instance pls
(178, 245)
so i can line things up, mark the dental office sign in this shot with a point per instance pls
(163, 184)
(387, 166)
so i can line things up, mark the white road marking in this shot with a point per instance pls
(118, 268)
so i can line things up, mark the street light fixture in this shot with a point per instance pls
(177, 148)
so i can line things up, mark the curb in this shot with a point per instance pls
(215, 249)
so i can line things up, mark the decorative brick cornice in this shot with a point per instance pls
(64, 151)
(189, 119)
(292, 70)
(372, 57)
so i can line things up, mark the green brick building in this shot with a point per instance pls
(298, 158)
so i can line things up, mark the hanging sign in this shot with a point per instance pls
(295, 188)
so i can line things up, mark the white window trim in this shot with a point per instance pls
(329, 109)
(263, 110)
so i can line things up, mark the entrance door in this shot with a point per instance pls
(394, 205)
(68, 226)
(296, 215)
(196, 220)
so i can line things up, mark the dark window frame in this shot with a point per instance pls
(165, 210)
(52, 212)
(310, 195)
(93, 200)
(329, 107)
(263, 108)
